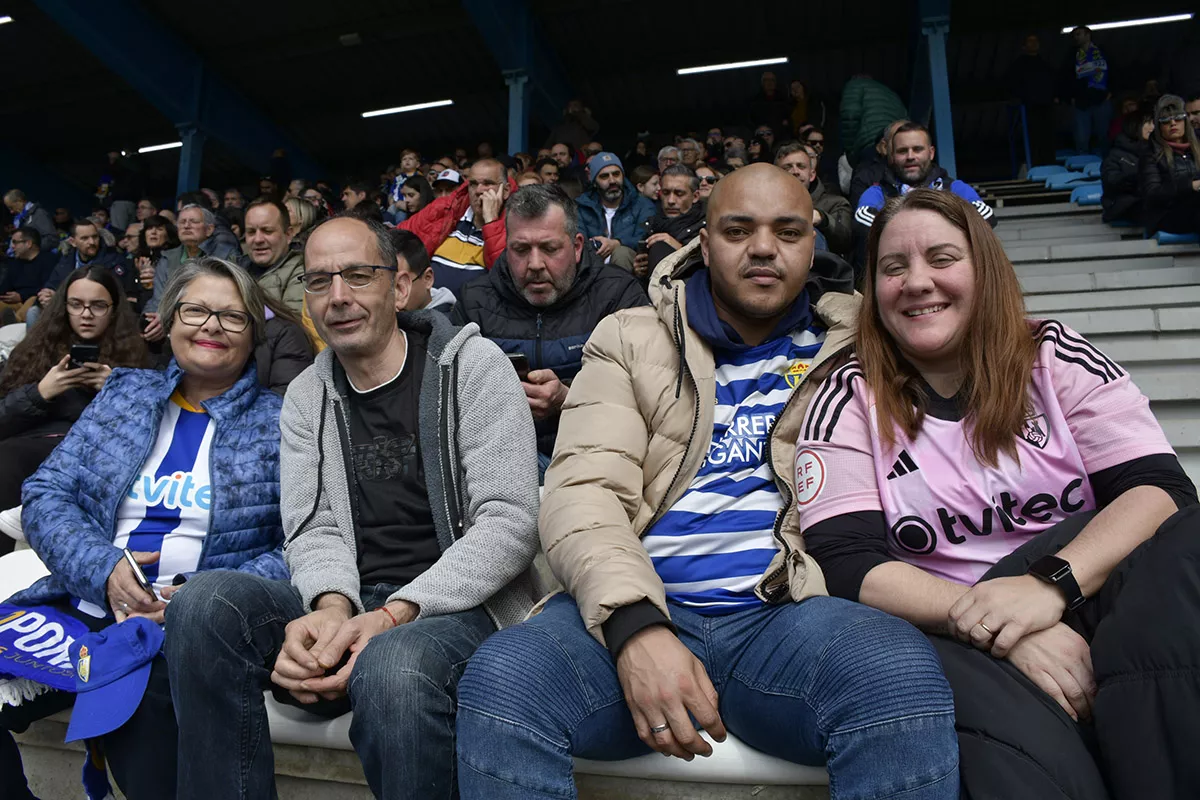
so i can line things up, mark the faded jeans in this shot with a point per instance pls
(230, 627)
(824, 681)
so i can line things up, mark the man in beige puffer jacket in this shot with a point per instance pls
(670, 518)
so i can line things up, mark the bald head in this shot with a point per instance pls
(752, 186)
(758, 245)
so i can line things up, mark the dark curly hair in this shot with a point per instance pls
(121, 345)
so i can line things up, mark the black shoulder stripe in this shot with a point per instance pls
(1076, 350)
(833, 402)
(827, 388)
(846, 397)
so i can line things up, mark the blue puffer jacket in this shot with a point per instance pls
(626, 225)
(70, 503)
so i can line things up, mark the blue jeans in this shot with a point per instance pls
(825, 681)
(1092, 122)
(230, 627)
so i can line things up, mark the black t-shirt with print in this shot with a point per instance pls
(397, 539)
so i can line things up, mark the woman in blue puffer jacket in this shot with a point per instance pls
(180, 467)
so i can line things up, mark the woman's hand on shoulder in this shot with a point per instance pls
(994, 615)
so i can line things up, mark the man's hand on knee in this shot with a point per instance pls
(663, 682)
(306, 653)
(351, 639)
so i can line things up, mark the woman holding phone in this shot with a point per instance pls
(42, 392)
(181, 468)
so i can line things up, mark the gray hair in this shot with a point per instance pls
(666, 152)
(383, 236)
(210, 219)
(737, 152)
(685, 171)
(692, 141)
(534, 201)
(247, 288)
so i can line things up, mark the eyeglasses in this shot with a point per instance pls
(817, 143)
(356, 277)
(197, 315)
(76, 308)
(707, 178)
(1169, 120)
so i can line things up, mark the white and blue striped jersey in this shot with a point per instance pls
(714, 544)
(167, 508)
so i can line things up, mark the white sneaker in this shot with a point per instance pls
(10, 523)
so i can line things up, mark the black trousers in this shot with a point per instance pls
(1144, 630)
(19, 458)
(1183, 218)
(1040, 120)
(142, 753)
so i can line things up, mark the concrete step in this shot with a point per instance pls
(1027, 269)
(1132, 320)
(1044, 210)
(1054, 282)
(1130, 349)
(1064, 233)
(1126, 298)
(1061, 221)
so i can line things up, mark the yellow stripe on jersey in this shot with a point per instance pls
(459, 252)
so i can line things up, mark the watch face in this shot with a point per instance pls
(1050, 568)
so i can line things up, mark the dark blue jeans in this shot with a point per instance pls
(230, 627)
(824, 681)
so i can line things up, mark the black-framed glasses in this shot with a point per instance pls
(196, 315)
(1174, 118)
(817, 143)
(358, 276)
(707, 179)
(98, 308)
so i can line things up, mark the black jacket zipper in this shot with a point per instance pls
(538, 343)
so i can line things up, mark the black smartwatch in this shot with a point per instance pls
(1057, 572)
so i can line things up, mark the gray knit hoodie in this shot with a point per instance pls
(487, 529)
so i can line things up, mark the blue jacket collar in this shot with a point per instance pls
(234, 402)
(720, 335)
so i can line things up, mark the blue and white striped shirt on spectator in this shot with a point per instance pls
(714, 544)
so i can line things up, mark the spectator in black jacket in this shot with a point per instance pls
(872, 167)
(1169, 175)
(24, 275)
(542, 299)
(1031, 80)
(41, 392)
(1119, 173)
(678, 221)
(832, 216)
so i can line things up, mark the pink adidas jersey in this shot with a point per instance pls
(947, 513)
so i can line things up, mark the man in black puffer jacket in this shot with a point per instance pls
(543, 297)
(1119, 173)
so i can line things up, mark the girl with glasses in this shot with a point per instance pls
(41, 392)
(1169, 177)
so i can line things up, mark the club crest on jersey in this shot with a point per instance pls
(1036, 431)
(84, 668)
(795, 372)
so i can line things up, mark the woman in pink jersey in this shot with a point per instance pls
(1003, 485)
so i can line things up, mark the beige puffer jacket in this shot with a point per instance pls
(634, 434)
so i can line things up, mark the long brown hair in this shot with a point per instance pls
(997, 353)
(121, 344)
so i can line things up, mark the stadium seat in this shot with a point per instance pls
(1041, 173)
(1162, 237)
(1088, 195)
(1079, 162)
(1062, 155)
(1092, 169)
(1066, 180)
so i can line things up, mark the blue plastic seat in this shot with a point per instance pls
(1088, 195)
(1081, 161)
(1062, 155)
(1092, 169)
(1162, 237)
(1041, 173)
(1068, 180)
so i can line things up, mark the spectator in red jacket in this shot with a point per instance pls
(464, 231)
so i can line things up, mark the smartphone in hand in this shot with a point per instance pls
(520, 363)
(84, 354)
(138, 575)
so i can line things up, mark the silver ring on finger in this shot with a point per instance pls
(660, 729)
(124, 606)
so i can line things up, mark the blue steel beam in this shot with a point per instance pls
(931, 79)
(173, 77)
(518, 111)
(514, 38)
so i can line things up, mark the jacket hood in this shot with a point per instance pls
(1131, 145)
(588, 270)
(440, 297)
(445, 340)
(693, 220)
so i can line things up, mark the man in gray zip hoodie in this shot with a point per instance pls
(409, 503)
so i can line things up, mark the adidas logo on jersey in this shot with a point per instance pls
(904, 465)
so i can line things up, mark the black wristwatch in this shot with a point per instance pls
(1057, 572)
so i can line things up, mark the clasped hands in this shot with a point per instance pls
(317, 642)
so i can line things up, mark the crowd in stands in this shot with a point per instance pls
(771, 412)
